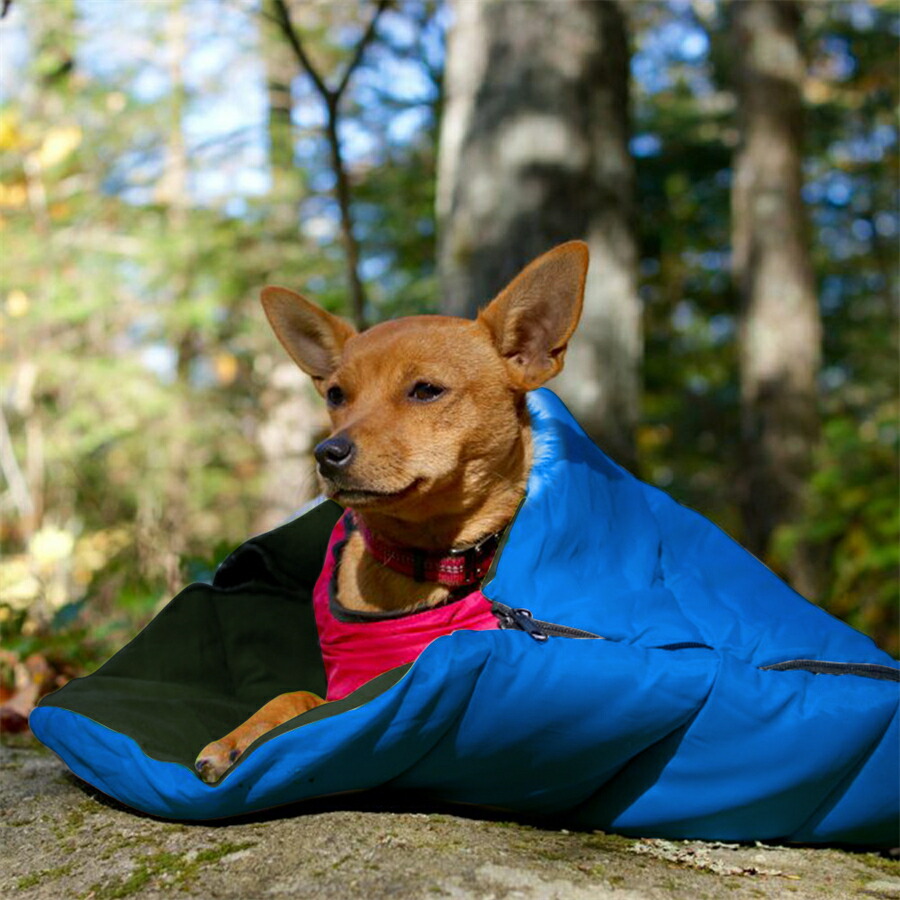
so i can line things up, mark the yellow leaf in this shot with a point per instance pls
(652, 437)
(58, 144)
(10, 135)
(17, 303)
(51, 545)
(226, 366)
(95, 550)
(13, 195)
(817, 90)
(59, 210)
(19, 586)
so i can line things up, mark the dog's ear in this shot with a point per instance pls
(313, 337)
(532, 319)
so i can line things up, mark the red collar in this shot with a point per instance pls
(454, 568)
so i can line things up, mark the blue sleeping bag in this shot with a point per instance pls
(718, 704)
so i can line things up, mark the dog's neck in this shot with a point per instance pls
(454, 568)
(485, 507)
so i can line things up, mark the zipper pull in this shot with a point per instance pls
(521, 619)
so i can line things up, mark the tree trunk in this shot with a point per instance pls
(534, 151)
(172, 189)
(286, 179)
(290, 417)
(781, 330)
(52, 33)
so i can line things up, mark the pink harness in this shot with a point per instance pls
(356, 649)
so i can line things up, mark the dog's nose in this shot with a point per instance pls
(334, 454)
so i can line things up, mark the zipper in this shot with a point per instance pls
(539, 630)
(829, 667)
(524, 620)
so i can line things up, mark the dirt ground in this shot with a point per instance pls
(60, 839)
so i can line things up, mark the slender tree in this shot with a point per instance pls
(331, 97)
(281, 66)
(534, 151)
(53, 39)
(289, 420)
(781, 331)
(172, 189)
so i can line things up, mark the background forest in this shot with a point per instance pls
(733, 165)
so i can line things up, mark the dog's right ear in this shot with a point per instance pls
(313, 338)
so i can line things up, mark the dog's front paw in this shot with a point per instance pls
(215, 759)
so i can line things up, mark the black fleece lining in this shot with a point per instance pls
(217, 652)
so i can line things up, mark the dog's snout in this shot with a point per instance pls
(334, 454)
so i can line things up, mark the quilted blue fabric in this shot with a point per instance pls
(618, 734)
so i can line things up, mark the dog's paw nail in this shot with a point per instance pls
(234, 755)
(206, 770)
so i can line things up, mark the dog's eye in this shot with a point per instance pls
(335, 396)
(424, 391)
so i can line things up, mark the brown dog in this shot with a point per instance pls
(431, 446)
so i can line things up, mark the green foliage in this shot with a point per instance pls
(142, 206)
(689, 442)
(853, 520)
(136, 361)
(853, 171)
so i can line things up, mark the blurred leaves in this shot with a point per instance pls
(141, 386)
(138, 378)
(685, 131)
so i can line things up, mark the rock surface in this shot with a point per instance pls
(61, 839)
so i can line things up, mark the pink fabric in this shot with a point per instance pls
(355, 652)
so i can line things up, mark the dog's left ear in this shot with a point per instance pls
(532, 319)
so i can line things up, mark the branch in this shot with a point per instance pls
(283, 19)
(330, 95)
(364, 42)
(332, 99)
(18, 485)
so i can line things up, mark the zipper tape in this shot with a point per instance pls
(522, 619)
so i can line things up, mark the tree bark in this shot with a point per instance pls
(52, 34)
(781, 330)
(534, 151)
(290, 418)
(172, 189)
(281, 66)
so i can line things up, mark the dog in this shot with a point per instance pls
(430, 454)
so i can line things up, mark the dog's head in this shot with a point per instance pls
(425, 409)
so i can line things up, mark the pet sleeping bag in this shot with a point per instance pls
(651, 678)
